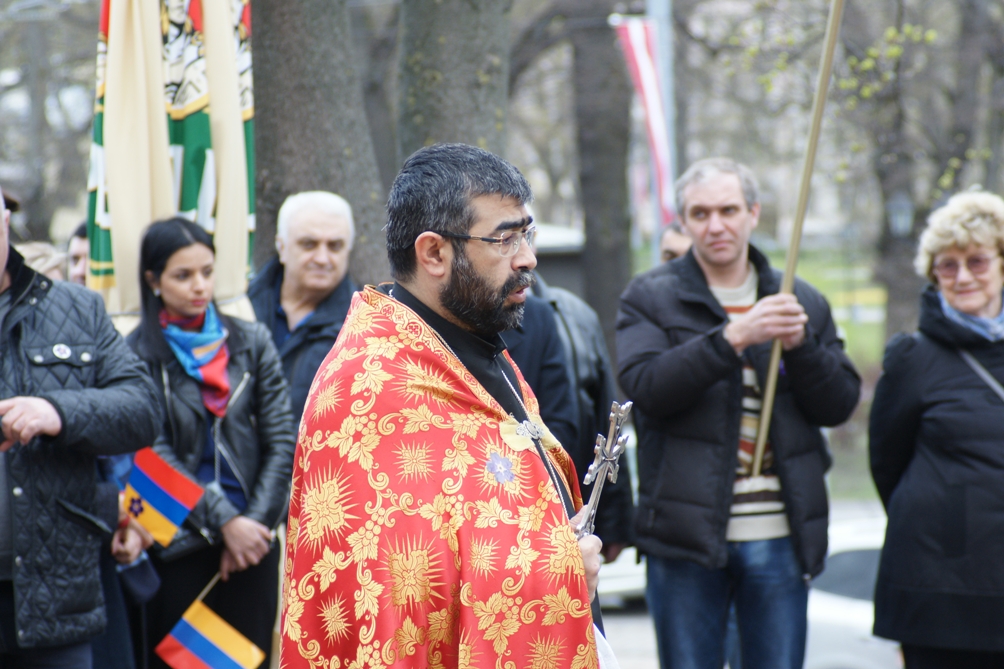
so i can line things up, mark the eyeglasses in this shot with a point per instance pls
(507, 242)
(949, 268)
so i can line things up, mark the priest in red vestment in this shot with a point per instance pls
(429, 516)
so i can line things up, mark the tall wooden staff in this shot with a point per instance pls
(788, 282)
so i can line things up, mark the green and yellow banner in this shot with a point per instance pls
(173, 135)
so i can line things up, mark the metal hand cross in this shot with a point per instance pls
(605, 466)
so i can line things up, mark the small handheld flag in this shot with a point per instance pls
(158, 496)
(203, 640)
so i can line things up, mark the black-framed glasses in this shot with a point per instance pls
(949, 267)
(507, 242)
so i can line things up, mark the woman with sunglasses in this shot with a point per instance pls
(227, 425)
(937, 449)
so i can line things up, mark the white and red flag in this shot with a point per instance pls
(638, 40)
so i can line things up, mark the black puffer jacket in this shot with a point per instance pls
(58, 343)
(937, 457)
(686, 382)
(309, 344)
(256, 436)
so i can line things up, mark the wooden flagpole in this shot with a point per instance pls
(788, 282)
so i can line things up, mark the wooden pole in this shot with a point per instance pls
(788, 282)
(209, 586)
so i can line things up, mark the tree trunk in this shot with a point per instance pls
(603, 118)
(895, 166)
(376, 39)
(453, 74)
(37, 207)
(311, 131)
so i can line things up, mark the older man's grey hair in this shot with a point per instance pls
(313, 201)
(709, 167)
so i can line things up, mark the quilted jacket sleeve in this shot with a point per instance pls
(120, 413)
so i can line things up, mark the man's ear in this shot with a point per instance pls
(755, 210)
(280, 247)
(433, 254)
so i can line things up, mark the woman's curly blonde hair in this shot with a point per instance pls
(967, 218)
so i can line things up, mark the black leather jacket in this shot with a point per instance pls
(592, 375)
(686, 382)
(58, 343)
(257, 436)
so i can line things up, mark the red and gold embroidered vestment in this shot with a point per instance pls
(424, 531)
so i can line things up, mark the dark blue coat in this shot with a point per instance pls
(936, 457)
(536, 348)
(306, 347)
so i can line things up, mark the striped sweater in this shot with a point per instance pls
(757, 506)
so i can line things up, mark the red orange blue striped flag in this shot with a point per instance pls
(158, 496)
(203, 640)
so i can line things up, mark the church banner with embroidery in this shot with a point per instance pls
(159, 147)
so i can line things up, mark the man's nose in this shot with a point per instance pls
(322, 256)
(715, 223)
(524, 258)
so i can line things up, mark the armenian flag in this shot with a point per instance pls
(203, 640)
(159, 496)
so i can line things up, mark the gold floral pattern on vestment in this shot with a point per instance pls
(424, 530)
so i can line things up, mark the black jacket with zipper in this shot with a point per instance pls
(309, 344)
(938, 463)
(58, 343)
(256, 436)
(592, 377)
(686, 382)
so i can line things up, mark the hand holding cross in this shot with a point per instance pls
(605, 466)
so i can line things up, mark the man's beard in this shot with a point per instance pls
(470, 298)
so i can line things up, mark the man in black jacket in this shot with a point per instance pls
(302, 296)
(694, 338)
(70, 390)
(592, 379)
(537, 350)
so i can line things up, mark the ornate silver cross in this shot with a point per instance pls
(606, 464)
(528, 429)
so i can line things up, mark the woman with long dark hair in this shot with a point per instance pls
(227, 425)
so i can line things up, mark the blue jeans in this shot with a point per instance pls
(690, 607)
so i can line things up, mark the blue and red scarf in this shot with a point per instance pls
(200, 345)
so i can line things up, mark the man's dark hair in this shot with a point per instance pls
(81, 230)
(433, 191)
